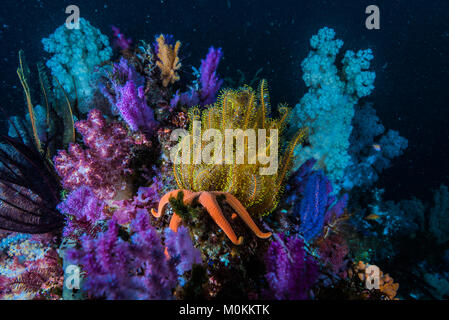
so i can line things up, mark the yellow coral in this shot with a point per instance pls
(168, 62)
(240, 109)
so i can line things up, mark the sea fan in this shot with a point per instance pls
(29, 189)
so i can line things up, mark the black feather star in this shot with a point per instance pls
(29, 189)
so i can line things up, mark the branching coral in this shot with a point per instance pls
(371, 149)
(120, 41)
(168, 60)
(240, 110)
(147, 197)
(103, 165)
(439, 215)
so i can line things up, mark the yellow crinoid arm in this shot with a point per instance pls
(264, 100)
(288, 157)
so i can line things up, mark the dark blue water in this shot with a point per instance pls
(411, 57)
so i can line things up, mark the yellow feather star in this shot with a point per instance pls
(243, 187)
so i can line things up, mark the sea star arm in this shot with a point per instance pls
(166, 199)
(208, 201)
(241, 211)
(175, 222)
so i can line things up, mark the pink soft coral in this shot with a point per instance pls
(103, 165)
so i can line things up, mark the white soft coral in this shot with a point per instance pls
(76, 54)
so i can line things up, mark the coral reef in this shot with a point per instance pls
(209, 202)
(371, 149)
(281, 208)
(386, 284)
(206, 85)
(120, 41)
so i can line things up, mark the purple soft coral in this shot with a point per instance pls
(84, 210)
(180, 248)
(290, 272)
(210, 83)
(104, 164)
(128, 97)
(147, 198)
(133, 108)
(120, 40)
(119, 269)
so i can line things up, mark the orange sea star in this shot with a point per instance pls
(209, 202)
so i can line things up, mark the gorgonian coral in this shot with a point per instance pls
(318, 206)
(168, 60)
(210, 83)
(103, 165)
(120, 41)
(333, 253)
(290, 271)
